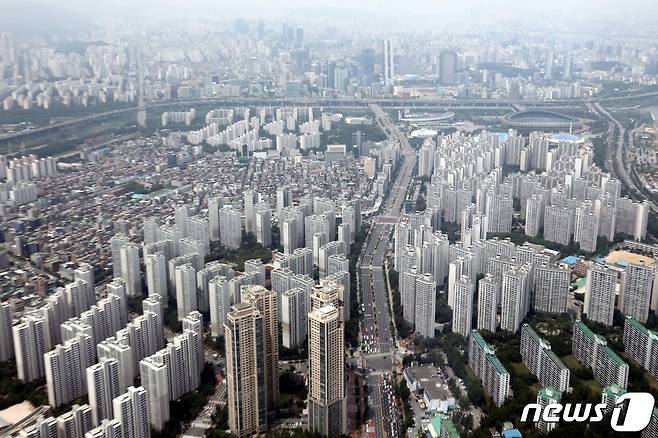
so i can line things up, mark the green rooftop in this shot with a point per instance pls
(556, 360)
(531, 332)
(479, 339)
(500, 368)
(590, 334)
(614, 356)
(635, 323)
(614, 390)
(549, 393)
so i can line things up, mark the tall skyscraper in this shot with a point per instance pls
(389, 63)
(103, 387)
(326, 372)
(131, 408)
(283, 199)
(447, 67)
(534, 215)
(245, 370)
(548, 65)
(293, 317)
(266, 303)
(600, 294)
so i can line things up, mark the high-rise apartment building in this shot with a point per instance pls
(600, 289)
(326, 372)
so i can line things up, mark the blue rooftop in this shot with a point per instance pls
(512, 433)
(570, 260)
(565, 137)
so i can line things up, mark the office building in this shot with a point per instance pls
(389, 63)
(447, 67)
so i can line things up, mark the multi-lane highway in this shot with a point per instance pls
(394, 103)
(377, 321)
(379, 343)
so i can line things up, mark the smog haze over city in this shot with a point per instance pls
(298, 219)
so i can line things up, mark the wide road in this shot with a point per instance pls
(380, 349)
(397, 103)
(377, 319)
(621, 169)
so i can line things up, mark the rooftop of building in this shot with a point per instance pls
(624, 258)
(614, 390)
(548, 392)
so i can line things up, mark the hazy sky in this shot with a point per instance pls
(621, 13)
